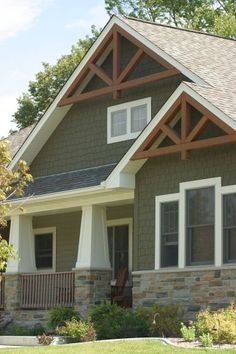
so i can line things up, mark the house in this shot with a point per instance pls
(134, 164)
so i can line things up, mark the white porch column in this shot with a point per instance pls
(93, 243)
(22, 239)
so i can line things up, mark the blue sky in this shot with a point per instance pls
(33, 31)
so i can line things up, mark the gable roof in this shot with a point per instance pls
(17, 139)
(210, 57)
(207, 60)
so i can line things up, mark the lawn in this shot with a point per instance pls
(119, 347)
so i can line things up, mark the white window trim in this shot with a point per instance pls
(160, 200)
(181, 198)
(127, 106)
(129, 222)
(46, 230)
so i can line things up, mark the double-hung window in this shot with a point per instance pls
(169, 234)
(229, 227)
(188, 225)
(200, 225)
(45, 248)
(125, 121)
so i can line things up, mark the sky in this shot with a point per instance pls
(36, 31)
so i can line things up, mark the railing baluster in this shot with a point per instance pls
(42, 291)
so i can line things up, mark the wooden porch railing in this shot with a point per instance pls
(46, 290)
(2, 292)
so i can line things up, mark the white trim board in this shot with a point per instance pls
(54, 114)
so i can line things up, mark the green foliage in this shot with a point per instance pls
(48, 82)
(188, 333)
(206, 340)
(168, 320)
(58, 316)
(25, 331)
(82, 331)
(214, 16)
(11, 183)
(221, 324)
(44, 339)
(112, 321)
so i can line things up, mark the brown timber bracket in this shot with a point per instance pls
(186, 142)
(119, 80)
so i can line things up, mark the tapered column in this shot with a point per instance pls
(22, 239)
(93, 243)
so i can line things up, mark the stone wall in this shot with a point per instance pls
(191, 289)
(91, 288)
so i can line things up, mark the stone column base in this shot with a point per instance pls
(92, 286)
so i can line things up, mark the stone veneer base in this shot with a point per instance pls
(191, 289)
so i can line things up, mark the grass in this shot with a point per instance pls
(119, 347)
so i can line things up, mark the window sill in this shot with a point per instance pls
(186, 269)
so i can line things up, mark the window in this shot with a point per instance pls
(188, 225)
(125, 121)
(200, 225)
(229, 228)
(169, 234)
(44, 248)
(120, 244)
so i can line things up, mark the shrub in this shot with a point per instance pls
(206, 340)
(221, 324)
(112, 321)
(25, 331)
(82, 331)
(58, 316)
(188, 333)
(44, 339)
(168, 320)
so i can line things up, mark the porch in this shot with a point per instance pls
(68, 258)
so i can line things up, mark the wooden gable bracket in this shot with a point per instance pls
(186, 141)
(118, 81)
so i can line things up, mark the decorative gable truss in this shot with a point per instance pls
(120, 78)
(186, 126)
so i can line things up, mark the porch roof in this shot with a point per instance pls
(66, 181)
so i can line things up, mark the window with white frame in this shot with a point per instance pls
(229, 227)
(45, 247)
(198, 223)
(125, 121)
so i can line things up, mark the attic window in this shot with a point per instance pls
(125, 121)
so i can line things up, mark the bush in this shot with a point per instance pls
(221, 324)
(206, 340)
(25, 331)
(58, 316)
(188, 333)
(82, 331)
(168, 320)
(112, 321)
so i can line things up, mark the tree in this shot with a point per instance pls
(11, 183)
(214, 16)
(48, 82)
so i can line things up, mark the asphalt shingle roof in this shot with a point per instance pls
(17, 139)
(84, 178)
(210, 57)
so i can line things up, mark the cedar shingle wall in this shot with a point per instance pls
(162, 175)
